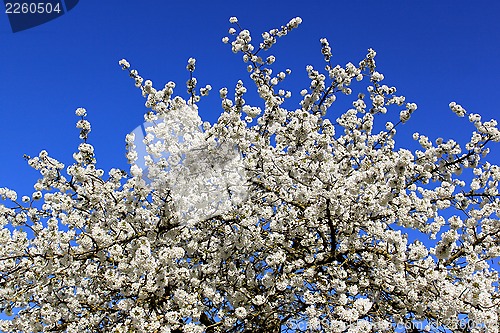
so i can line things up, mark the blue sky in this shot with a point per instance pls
(433, 51)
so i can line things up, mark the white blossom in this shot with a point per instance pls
(268, 218)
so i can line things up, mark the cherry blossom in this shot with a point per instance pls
(271, 219)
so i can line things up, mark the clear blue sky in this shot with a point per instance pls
(433, 51)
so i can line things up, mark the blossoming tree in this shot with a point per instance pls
(309, 234)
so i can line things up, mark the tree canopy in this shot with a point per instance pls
(268, 220)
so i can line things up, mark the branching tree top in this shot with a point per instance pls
(268, 220)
